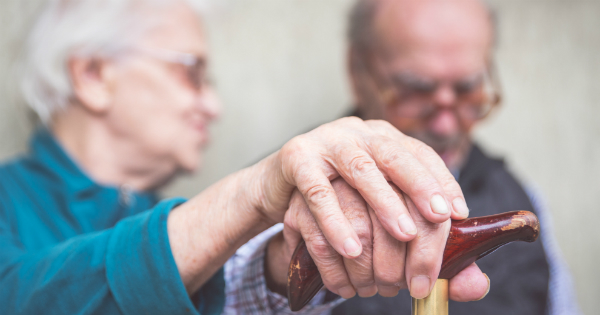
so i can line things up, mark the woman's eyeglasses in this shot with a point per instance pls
(194, 66)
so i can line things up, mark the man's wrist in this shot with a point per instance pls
(275, 267)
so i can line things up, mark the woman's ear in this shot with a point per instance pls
(92, 79)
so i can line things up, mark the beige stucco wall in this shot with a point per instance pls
(279, 67)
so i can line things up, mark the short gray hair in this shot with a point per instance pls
(361, 34)
(83, 28)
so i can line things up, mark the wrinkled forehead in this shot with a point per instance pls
(442, 39)
(175, 27)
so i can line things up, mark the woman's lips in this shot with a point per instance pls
(203, 131)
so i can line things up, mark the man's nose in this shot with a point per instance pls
(444, 96)
(444, 123)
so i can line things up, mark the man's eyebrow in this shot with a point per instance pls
(405, 76)
(473, 78)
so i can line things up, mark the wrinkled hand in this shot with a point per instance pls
(385, 262)
(373, 157)
(367, 155)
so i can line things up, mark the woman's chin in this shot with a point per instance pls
(191, 164)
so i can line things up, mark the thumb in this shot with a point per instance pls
(291, 230)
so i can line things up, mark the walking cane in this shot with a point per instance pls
(469, 240)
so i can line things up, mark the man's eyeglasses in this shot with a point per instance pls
(194, 66)
(413, 97)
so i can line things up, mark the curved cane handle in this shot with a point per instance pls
(469, 240)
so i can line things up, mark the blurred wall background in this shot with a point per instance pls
(280, 70)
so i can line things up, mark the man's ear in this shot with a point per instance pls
(356, 72)
(92, 80)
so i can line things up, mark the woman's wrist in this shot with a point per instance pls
(270, 190)
(205, 231)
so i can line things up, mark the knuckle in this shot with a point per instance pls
(425, 258)
(365, 234)
(381, 125)
(295, 154)
(297, 203)
(452, 189)
(333, 273)
(422, 149)
(333, 279)
(318, 194)
(351, 121)
(321, 249)
(289, 219)
(332, 222)
(294, 147)
(389, 277)
(346, 123)
(429, 234)
(364, 283)
(392, 156)
(449, 183)
(361, 166)
(361, 273)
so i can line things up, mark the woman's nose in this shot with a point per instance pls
(210, 103)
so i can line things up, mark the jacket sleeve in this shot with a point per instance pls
(128, 269)
(561, 292)
(247, 291)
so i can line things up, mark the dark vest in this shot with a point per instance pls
(518, 271)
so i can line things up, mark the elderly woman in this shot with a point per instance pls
(121, 88)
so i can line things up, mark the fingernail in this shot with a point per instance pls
(488, 289)
(419, 287)
(439, 205)
(460, 206)
(407, 226)
(347, 292)
(351, 247)
(367, 291)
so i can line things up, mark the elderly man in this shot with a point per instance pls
(426, 67)
(121, 88)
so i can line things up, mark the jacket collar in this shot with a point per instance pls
(50, 157)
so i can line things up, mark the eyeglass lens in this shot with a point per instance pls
(415, 96)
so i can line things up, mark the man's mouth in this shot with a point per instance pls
(441, 145)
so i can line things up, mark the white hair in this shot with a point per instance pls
(82, 28)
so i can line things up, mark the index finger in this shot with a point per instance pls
(434, 177)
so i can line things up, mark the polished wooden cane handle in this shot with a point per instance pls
(469, 240)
